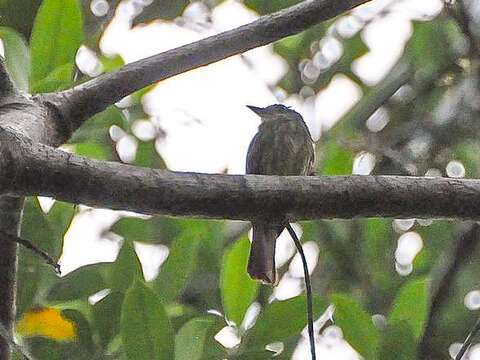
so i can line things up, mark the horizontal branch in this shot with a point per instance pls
(84, 101)
(35, 169)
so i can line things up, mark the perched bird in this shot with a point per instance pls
(282, 146)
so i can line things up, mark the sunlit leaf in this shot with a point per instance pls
(93, 150)
(357, 326)
(145, 329)
(237, 288)
(336, 160)
(56, 36)
(46, 322)
(58, 79)
(17, 57)
(411, 306)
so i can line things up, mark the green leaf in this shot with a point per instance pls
(411, 306)
(398, 340)
(336, 160)
(135, 229)
(47, 231)
(79, 284)
(195, 338)
(96, 129)
(181, 262)
(36, 228)
(58, 79)
(237, 288)
(56, 36)
(268, 7)
(430, 46)
(106, 316)
(145, 328)
(281, 320)
(84, 338)
(93, 150)
(147, 156)
(60, 218)
(127, 268)
(357, 326)
(17, 57)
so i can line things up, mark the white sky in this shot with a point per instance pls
(208, 128)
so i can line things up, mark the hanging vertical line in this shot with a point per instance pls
(311, 334)
(468, 341)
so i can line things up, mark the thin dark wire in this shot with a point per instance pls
(311, 334)
(25, 243)
(468, 340)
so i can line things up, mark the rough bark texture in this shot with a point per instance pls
(35, 169)
(10, 215)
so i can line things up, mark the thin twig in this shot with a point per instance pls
(311, 334)
(447, 273)
(468, 340)
(28, 244)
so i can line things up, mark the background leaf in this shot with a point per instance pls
(195, 339)
(56, 37)
(17, 57)
(126, 270)
(356, 324)
(79, 284)
(411, 306)
(238, 289)
(145, 328)
(181, 262)
(281, 320)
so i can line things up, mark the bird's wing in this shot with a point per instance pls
(254, 155)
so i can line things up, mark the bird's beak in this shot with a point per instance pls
(257, 110)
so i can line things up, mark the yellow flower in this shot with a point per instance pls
(46, 322)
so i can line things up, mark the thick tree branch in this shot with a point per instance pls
(10, 215)
(35, 169)
(81, 102)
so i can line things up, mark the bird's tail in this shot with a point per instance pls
(261, 264)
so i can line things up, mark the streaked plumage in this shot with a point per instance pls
(282, 146)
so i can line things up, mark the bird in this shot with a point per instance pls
(282, 146)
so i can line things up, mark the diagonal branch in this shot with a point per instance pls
(36, 169)
(94, 96)
(442, 288)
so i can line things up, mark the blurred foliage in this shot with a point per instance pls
(429, 101)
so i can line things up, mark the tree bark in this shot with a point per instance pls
(10, 216)
(36, 169)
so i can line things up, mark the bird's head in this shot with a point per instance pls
(275, 112)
